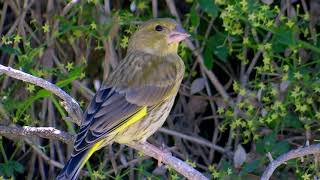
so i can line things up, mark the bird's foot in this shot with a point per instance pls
(162, 152)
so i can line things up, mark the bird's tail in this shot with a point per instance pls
(74, 165)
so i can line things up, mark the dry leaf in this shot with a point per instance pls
(239, 157)
(197, 104)
(284, 85)
(197, 85)
(314, 12)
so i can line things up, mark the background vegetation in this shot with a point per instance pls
(251, 91)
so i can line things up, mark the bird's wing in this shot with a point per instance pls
(139, 82)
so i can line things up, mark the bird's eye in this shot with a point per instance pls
(158, 28)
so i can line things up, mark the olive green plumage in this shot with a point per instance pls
(136, 98)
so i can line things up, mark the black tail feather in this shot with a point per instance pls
(73, 167)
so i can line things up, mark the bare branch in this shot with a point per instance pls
(196, 140)
(44, 132)
(300, 152)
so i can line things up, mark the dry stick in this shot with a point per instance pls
(212, 77)
(177, 164)
(71, 105)
(4, 11)
(155, 8)
(110, 57)
(43, 155)
(130, 163)
(194, 139)
(209, 92)
(31, 163)
(44, 132)
(300, 152)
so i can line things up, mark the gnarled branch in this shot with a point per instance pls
(300, 152)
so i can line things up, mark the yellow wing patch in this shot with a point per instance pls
(93, 149)
(135, 118)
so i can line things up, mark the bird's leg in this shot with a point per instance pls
(162, 151)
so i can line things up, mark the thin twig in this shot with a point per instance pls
(193, 139)
(155, 8)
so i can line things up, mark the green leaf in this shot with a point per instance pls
(266, 144)
(18, 167)
(194, 17)
(208, 59)
(9, 168)
(291, 120)
(209, 7)
(216, 44)
(73, 75)
(27, 103)
(283, 37)
(10, 50)
(280, 148)
(225, 165)
(250, 167)
(270, 144)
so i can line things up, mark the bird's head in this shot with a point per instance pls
(160, 36)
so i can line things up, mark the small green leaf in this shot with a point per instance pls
(194, 17)
(74, 74)
(18, 167)
(208, 59)
(209, 7)
(9, 50)
(9, 168)
(218, 46)
(280, 148)
(292, 121)
(266, 144)
(250, 167)
(284, 36)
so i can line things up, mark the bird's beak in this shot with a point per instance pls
(177, 34)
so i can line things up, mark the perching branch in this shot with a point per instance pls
(178, 165)
(73, 109)
(44, 132)
(300, 152)
(71, 105)
(146, 148)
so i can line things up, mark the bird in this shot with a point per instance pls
(136, 98)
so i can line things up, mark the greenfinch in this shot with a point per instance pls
(136, 98)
